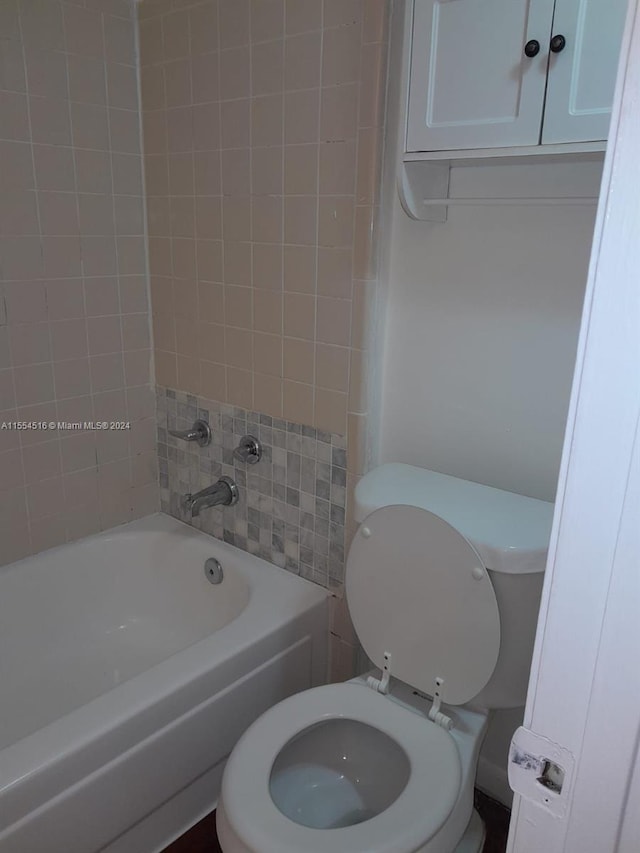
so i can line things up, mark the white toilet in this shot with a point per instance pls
(443, 584)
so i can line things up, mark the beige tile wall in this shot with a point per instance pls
(262, 131)
(74, 330)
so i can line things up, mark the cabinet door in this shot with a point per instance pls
(582, 76)
(471, 84)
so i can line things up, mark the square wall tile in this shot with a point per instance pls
(70, 117)
(290, 511)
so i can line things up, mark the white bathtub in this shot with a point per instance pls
(126, 678)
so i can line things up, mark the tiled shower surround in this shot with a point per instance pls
(292, 502)
(75, 341)
(263, 126)
(262, 138)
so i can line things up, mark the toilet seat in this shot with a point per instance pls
(409, 822)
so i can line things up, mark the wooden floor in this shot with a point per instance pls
(496, 820)
(202, 837)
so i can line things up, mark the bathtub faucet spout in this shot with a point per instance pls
(224, 492)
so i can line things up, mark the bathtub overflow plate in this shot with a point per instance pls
(213, 570)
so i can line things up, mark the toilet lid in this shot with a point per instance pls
(417, 589)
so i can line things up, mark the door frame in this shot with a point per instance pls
(584, 689)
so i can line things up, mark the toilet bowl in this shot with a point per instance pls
(371, 770)
(387, 763)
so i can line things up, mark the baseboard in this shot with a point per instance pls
(492, 779)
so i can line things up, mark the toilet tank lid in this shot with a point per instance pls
(510, 532)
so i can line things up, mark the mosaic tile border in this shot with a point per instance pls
(292, 503)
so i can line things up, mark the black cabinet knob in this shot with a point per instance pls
(532, 48)
(558, 44)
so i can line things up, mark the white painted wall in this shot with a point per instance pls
(482, 322)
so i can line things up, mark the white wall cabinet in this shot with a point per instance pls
(582, 77)
(484, 74)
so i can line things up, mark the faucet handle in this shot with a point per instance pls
(200, 432)
(249, 450)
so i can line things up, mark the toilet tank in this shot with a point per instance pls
(511, 535)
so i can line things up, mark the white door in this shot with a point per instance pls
(471, 84)
(583, 73)
(583, 702)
